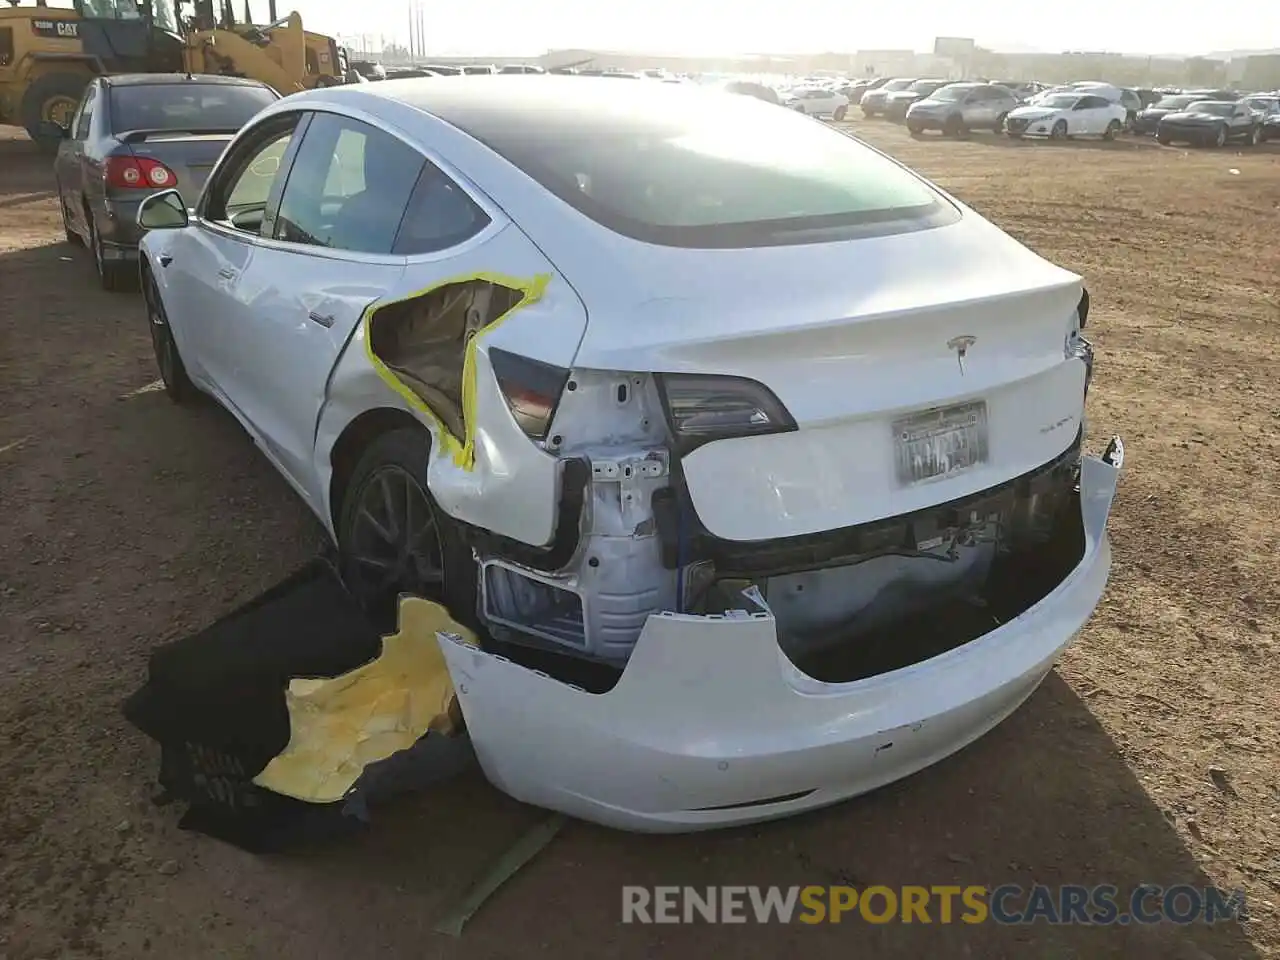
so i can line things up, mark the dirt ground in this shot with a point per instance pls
(1151, 755)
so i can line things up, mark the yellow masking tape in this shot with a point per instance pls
(461, 449)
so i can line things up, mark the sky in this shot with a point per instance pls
(716, 27)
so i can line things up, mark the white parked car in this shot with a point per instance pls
(817, 102)
(1068, 114)
(754, 458)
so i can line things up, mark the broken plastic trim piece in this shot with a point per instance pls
(461, 449)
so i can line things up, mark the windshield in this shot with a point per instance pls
(1217, 109)
(951, 93)
(897, 85)
(1174, 103)
(111, 10)
(697, 171)
(1264, 104)
(1058, 101)
(186, 107)
(164, 16)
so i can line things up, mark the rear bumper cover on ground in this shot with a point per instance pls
(711, 725)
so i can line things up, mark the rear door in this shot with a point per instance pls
(359, 204)
(69, 164)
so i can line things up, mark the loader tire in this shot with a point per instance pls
(53, 96)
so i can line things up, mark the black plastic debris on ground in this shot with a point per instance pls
(215, 702)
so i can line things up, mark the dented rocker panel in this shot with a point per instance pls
(709, 719)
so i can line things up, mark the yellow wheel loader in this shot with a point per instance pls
(48, 54)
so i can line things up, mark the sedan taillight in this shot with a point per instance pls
(531, 388)
(138, 173)
(702, 408)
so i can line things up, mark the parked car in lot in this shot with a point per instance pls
(897, 102)
(132, 135)
(1270, 128)
(760, 91)
(817, 102)
(1023, 90)
(1264, 105)
(510, 340)
(1211, 122)
(957, 108)
(873, 101)
(1067, 114)
(1148, 119)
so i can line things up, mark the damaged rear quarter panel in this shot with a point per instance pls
(494, 477)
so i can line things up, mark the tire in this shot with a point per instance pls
(1113, 128)
(1220, 138)
(45, 98)
(869, 114)
(73, 238)
(1059, 131)
(110, 275)
(999, 124)
(840, 114)
(169, 362)
(1255, 137)
(915, 129)
(423, 555)
(1013, 134)
(1163, 139)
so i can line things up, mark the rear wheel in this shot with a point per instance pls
(1255, 136)
(110, 275)
(1220, 138)
(914, 129)
(393, 538)
(73, 238)
(1059, 131)
(999, 124)
(840, 113)
(176, 382)
(1164, 139)
(1113, 128)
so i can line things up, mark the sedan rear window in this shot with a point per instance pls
(709, 170)
(186, 107)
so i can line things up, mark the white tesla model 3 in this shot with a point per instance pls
(754, 457)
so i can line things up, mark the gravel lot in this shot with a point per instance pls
(1153, 753)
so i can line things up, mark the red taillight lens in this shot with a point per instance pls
(138, 173)
(532, 389)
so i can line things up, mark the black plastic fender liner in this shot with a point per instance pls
(574, 480)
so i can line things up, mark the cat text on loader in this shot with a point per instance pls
(48, 55)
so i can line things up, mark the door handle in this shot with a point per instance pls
(324, 319)
(226, 273)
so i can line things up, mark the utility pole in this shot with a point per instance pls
(412, 49)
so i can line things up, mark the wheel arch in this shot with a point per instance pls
(354, 439)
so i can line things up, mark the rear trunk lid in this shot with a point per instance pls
(190, 156)
(919, 368)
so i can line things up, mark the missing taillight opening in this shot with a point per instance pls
(138, 173)
(532, 389)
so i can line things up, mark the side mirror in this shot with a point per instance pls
(165, 210)
(48, 130)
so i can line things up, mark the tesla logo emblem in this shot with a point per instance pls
(961, 346)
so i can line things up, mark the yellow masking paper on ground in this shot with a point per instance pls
(338, 726)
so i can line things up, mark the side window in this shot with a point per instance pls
(240, 197)
(439, 215)
(85, 116)
(348, 188)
